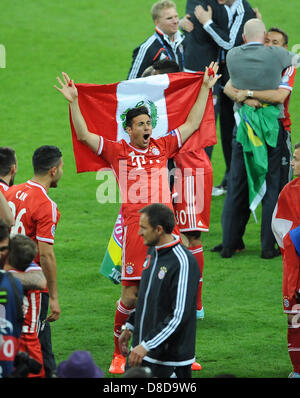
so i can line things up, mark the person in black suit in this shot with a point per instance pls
(212, 28)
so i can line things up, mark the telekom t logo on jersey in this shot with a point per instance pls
(137, 160)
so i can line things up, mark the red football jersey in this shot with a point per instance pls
(3, 187)
(29, 338)
(36, 215)
(31, 305)
(142, 175)
(192, 190)
(287, 82)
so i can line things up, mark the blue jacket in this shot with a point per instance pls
(11, 320)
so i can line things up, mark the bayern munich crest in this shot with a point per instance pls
(162, 272)
(155, 151)
(129, 269)
(286, 302)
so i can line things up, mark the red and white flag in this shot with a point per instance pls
(169, 98)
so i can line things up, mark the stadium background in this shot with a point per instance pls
(244, 331)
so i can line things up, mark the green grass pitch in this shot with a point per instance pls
(244, 330)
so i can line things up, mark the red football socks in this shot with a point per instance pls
(122, 313)
(197, 251)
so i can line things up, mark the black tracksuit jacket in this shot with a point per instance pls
(204, 46)
(164, 321)
(156, 47)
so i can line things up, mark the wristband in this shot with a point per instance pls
(123, 327)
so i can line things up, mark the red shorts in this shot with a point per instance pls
(30, 343)
(192, 202)
(133, 254)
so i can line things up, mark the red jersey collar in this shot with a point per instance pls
(4, 182)
(38, 185)
(138, 149)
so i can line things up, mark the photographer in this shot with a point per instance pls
(11, 314)
(22, 251)
(11, 309)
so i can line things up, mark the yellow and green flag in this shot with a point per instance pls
(258, 127)
(112, 261)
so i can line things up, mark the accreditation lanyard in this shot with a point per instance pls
(163, 44)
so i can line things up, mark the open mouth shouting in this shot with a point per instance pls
(146, 138)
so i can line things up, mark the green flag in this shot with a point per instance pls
(112, 261)
(110, 267)
(258, 128)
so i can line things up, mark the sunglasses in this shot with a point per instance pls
(3, 248)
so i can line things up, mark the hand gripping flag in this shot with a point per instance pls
(285, 226)
(256, 129)
(169, 98)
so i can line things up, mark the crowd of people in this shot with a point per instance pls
(251, 74)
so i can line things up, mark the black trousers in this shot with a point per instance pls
(287, 156)
(227, 123)
(236, 210)
(161, 371)
(45, 337)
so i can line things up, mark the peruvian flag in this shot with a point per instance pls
(285, 226)
(169, 98)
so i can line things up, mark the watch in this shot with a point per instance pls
(250, 94)
(123, 327)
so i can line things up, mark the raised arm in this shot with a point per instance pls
(69, 91)
(195, 116)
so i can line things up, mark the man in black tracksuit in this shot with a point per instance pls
(217, 27)
(200, 49)
(165, 43)
(164, 322)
